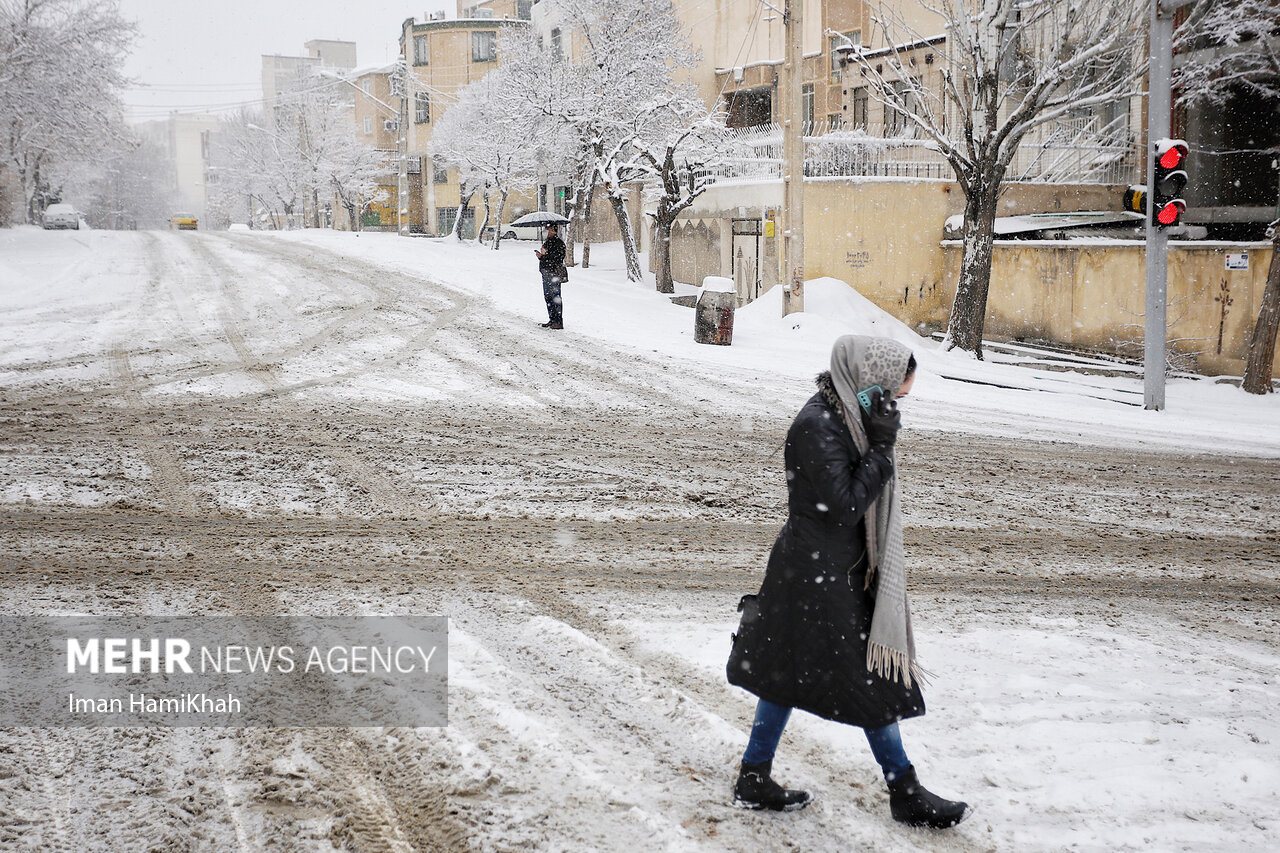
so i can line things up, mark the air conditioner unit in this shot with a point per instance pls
(390, 124)
(484, 13)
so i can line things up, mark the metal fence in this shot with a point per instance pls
(1073, 152)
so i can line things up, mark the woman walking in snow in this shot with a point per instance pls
(830, 631)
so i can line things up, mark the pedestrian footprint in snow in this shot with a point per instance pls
(554, 273)
(830, 630)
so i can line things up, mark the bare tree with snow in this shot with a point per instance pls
(1010, 67)
(676, 154)
(620, 81)
(135, 186)
(61, 75)
(488, 136)
(1231, 46)
(253, 160)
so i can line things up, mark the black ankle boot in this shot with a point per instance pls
(911, 803)
(755, 790)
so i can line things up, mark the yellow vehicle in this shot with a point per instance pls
(182, 222)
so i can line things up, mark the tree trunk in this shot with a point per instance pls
(586, 224)
(315, 208)
(462, 207)
(618, 203)
(662, 246)
(969, 311)
(497, 232)
(483, 225)
(1262, 348)
(575, 222)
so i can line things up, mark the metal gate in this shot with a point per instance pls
(746, 258)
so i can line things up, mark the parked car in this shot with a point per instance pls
(61, 216)
(182, 222)
(523, 232)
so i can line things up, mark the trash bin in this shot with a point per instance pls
(713, 322)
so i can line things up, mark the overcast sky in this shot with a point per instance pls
(205, 56)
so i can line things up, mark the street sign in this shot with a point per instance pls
(1237, 260)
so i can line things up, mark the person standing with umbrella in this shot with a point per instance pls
(551, 265)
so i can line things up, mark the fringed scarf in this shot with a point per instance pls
(857, 363)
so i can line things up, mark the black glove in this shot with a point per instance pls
(882, 422)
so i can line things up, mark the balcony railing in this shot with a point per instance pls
(1069, 153)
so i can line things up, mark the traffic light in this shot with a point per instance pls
(1135, 199)
(1168, 182)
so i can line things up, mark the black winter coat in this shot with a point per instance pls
(553, 252)
(807, 648)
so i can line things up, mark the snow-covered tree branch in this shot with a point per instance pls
(1010, 67)
(618, 82)
(488, 136)
(61, 75)
(1229, 47)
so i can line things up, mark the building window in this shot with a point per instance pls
(421, 108)
(368, 124)
(896, 124)
(484, 47)
(835, 121)
(555, 44)
(858, 121)
(439, 172)
(524, 9)
(421, 50)
(854, 38)
(806, 97)
(749, 107)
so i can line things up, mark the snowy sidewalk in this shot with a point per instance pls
(954, 392)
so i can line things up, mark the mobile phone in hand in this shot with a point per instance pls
(865, 397)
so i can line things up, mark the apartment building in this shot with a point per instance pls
(444, 55)
(743, 45)
(377, 122)
(185, 138)
(281, 73)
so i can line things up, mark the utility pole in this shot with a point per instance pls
(791, 99)
(402, 131)
(1159, 107)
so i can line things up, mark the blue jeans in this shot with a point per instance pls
(771, 719)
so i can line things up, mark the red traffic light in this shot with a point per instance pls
(1167, 182)
(1169, 213)
(1170, 153)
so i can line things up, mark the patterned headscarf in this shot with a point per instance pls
(857, 363)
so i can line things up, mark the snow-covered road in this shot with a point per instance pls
(258, 426)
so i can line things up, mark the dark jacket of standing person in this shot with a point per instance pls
(808, 649)
(552, 254)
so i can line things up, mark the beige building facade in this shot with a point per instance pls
(442, 57)
(742, 47)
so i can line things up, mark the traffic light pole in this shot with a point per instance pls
(1159, 108)
(1159, 105)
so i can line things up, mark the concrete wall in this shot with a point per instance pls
(856, 231)
(1094, 296)
(884, 237)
